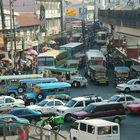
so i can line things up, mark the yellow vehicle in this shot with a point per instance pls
(51, 58)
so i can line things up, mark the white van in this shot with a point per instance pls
(95, 129)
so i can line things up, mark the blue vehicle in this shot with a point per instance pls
(41, 91)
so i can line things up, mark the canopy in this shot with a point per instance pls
(72, 70)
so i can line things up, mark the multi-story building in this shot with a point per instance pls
(50, 13)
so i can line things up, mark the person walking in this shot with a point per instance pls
(48, 128)
(22, 134)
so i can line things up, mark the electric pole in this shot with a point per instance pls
(3, 25)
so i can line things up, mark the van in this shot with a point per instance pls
(110, 111)
(95, 129)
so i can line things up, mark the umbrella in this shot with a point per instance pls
(7, 60)
(31, 52)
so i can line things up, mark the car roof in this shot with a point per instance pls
(84, 98)
(122, 95)
(6, 97)
(105, 103)
(51, 99)
(97, 122)
(6, 115)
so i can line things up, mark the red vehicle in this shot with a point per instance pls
(134, 108)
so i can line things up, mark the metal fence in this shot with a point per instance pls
(10, 131)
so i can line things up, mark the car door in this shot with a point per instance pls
(9, 103)
(78, 106)
(57, 104)
(49, 107)
(136, 86)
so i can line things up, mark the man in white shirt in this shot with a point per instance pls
(48, 132)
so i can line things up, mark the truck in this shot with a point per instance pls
(95, 129)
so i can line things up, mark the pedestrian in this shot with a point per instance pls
(22, 134)
(48, 128)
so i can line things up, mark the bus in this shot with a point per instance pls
(72, 48)
(51, 58)
(9, 83)
(101, 37)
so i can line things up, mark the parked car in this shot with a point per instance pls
(132, 85)
(13, 123)
(47, 106)
(125, 99)
(7, 102)
(27, 113)
(76, 104)
(110, 111)
(134, 108)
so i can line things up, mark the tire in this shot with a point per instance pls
(12, 94)
(30, 102)
(127, 90)
(40, 97)
(117, 120)
(20, 90)
(74, 138)
(67, 117)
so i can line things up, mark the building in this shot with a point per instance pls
(50, 15)
(123, 17)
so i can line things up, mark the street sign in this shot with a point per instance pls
(71, 12)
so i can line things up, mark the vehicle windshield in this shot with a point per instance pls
(114, 98)
(130, 82)
(70, 103)
(42, 103)
(89, 108)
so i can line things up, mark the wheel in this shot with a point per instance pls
(40, 97)
(74, 138)
(67, 117)
(30, 102)
(117, 120)
(12, 94)
(127, 90)
(20, 90)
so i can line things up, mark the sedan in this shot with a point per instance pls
(132, 85)
(13, 123)
(27, 113)
(134, 108)
(47, 106)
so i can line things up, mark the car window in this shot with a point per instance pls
(1, 101)
(9, 100)
(82, 126)
(121, 99)
(91, 129)
(57, 103)
(50, 103)
(79, 104)
(87, 102)
(104, 130)
(137, 83)
(129, 99)
(115, 129)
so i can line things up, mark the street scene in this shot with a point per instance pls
(69, 70)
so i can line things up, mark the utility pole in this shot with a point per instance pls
(62, 20)
(3, 25)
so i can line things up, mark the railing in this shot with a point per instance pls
(10, 131)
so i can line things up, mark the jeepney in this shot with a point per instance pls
(72, 63)
(67, 75)
(98, 74)
(121, 74)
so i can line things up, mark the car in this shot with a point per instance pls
(7, 102)
(109, 111)
(125, 99)
(134, 108)
(47, 106)
(132, 85)
(26, 113)
(13, 123)
(76, 104)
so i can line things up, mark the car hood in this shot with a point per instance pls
(34, 107)
(25, 121)
(123, 85)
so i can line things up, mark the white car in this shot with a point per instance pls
(132, 85)
(125, 99)
(8, 102)
(47, 106)
(76, 104)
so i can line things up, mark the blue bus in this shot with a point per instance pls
(41, 91)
